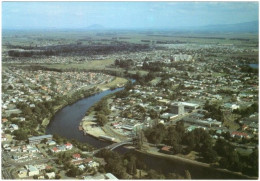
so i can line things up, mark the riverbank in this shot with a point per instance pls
(192, 162)
(90, 127)
(80, 94)
(117, 82)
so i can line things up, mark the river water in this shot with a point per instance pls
(66, 122)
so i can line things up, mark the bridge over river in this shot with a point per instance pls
(112, 146)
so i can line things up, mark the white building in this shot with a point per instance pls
(32, 170)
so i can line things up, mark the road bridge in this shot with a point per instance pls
(114, 146)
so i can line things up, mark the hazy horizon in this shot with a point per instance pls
(125, 15)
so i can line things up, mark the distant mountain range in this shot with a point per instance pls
(251, 27)
(239, 27)
(95, 27)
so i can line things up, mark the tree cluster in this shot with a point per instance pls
(176, 137)
(232, 160)
(214, 111)
(247, 111)
(102, 110)
(124, 63)
(153, 66)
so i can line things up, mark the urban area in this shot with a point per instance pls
(129, 104)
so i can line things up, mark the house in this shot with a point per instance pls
(41, 176)
(93, 164)
(15, 148)
(68, 146)
(48, 167)
(33, 150)
(76, 156)
(62, 148)
(32, 170)
(4, 137)
(13, 127)
(168, 116)
(231, 106)
(239, 134)
(4, 120)
(166, 149)
(55, 150)
(50, 175)
(81, 167)
(41, 167)
(51, 142)
(24, 148)
(38, 139)
(77, 162)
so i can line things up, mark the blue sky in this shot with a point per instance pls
(125, 14)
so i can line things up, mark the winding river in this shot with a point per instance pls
(66, 122)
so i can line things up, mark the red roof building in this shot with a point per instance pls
(68, 146)
(166, 149)
(4, 120)
(55, 150)
(76, 156)
(239, 134)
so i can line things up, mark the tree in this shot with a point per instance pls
(21, 134)
(253, 161)
(174, 176)
(156, 134)
(223, 148)
(180, 129)
(102, 119)
(35, 177)
(153, 114)
(73, 172)
(210, 155)
(152, 174)
(115, 167)
(57, 176)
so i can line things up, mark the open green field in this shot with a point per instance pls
(97, 64)
(118, 81)
(58, 37)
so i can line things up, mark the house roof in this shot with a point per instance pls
(55, 149)
(77, 155)
(68, 144)
(239, 133)
(166, 148)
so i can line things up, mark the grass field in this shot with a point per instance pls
(118, 81)
(97, 64)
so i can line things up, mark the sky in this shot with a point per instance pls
(17, 15)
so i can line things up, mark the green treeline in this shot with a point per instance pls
(129, 166)
(34, 116)
(221, 152)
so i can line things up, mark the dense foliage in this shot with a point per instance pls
(200, 140)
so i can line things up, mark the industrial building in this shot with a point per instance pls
(208, 122)
(182, 107)
(38, 139)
